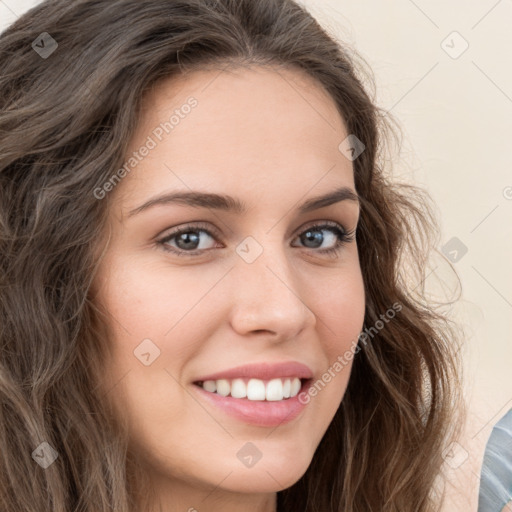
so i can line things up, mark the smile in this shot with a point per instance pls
(255, 389)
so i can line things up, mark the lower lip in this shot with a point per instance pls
(258, 412)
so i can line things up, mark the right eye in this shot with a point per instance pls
(187, 240)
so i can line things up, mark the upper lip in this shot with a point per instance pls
(263, 371)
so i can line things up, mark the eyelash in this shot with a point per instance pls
(344, 237)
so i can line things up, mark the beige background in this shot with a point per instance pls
(455, 111)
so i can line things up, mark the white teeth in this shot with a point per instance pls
(238, 389)
(210, 385)
(287, 387)
(295, 387)
(274, 390)
(255, 389)
(223, 387)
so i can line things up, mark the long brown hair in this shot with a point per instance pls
(73, 74)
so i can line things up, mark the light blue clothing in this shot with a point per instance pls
(496, 476)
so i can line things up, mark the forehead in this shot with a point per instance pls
(234, 89)
(255, 127)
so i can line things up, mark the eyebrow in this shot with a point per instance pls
(227, 203)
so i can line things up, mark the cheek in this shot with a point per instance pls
(339, 303)
(154, 334)
(149, 300)
(152, 337)
(339, 309)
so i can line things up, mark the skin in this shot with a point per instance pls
(269, 138)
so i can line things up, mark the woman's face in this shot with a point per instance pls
(237, 288)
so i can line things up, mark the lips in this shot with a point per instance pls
(257, 413)
(265, 394)
(262, 371)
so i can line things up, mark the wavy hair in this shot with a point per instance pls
(65, 122)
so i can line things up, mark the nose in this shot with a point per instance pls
(269, 297)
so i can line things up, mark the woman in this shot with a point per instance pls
(284, 363)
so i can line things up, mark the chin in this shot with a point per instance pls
(273, 475)
(253, 481)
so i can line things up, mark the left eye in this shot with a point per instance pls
(314, 235)
(188, 240)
